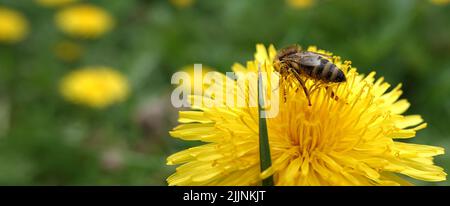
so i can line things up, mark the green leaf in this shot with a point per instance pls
(264, 148)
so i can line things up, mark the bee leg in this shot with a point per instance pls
(286, 88)
(283, 79)
(314, 87)
(333, 95)
(283, 88)
(302, 83)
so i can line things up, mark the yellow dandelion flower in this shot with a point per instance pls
(355, 140)
(68, 51)
(182, 3)
(13, 26)
(96, 87)
(300, 4)
(54, 3)
(440, 2)
(84, 21)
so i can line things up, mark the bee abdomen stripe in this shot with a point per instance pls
(326, 70)
(317, 69)
(334, 74)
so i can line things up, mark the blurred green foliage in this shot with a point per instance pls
(45, 140)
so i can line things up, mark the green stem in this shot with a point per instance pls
(264, 148)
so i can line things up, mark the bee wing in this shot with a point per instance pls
(310, 59)
(322, 55)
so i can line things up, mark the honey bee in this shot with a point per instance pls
(293, 61)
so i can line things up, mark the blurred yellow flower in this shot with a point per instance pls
(54, 3)
(84, 21)
(300, 4)
(68, 51)
(13, 26)
(353, 140)
(96, 87)
(440, 2)
(182, 3)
